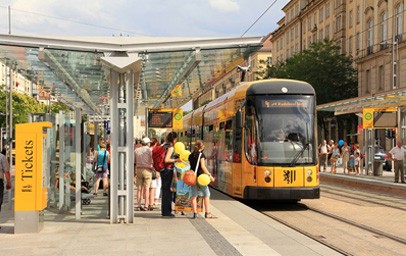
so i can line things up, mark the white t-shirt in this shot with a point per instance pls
(323, 149)
(398, 153)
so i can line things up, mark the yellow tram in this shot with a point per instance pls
(260, 140)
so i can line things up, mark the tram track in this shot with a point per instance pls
(359, 199)
(308, 234)
(302, 209)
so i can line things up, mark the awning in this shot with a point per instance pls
(395, 98)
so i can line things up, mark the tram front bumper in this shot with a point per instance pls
(264, 193)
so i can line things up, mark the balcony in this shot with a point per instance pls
(398, 38)
(370, 50)
(383, 45)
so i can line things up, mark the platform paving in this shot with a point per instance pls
(238, 230)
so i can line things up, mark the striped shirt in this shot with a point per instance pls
(143, 157)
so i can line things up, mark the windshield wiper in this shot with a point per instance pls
(299, 154)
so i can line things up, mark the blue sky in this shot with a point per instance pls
(184, 18)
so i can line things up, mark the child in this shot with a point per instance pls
(356, 162)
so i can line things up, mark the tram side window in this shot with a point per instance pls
(250, 138)
(229, 139)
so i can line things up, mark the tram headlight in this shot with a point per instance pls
(267, 175)
(309, 175)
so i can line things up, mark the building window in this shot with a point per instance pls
(321, 34)
(384, 29)
(381, 78)
(327, 10)
(350, 45)
(321, 14)
(368, 81)
(327, 34)
(338, 23)
(350, 19)
(358, 14)
(309, 23)
(370, 36)
(304, 24)
(357, 42)
(399, 22)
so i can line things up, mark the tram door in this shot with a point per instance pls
(237, 156)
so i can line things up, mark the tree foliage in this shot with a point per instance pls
(323, 66)
(22, 106)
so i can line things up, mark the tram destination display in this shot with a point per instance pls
(159, 119)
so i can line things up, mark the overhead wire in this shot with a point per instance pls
(260, 16)
(74, 21)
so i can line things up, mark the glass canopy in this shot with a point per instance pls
(72, 70)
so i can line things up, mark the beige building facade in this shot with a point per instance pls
(370, 31)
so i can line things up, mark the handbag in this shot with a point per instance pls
(100, 168)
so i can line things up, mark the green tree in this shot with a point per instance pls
(22, 106)
(323, 66)
(59, 106)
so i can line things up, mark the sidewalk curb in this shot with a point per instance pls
(364, 183)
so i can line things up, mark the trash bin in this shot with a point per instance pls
(378, 167)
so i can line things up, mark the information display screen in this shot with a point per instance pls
(160, 119)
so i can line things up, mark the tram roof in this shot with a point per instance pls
(71, 67)
(395, 98)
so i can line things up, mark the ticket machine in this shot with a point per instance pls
(30, 176)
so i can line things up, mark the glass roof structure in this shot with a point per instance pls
(71, 68)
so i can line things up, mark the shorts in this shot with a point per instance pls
(102, 175)
(153, 184)
(144, 178)
(198, 190)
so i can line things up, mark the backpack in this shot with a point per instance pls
(158, 157)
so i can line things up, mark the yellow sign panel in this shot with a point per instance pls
(176, 91)
(288, 176)
(178, 119)
(368, 118)
(30, 192)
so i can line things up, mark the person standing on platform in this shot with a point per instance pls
(323, 151)
(335, 154)
(102, 172)
(143, 166)
(198, 159)
(345, 154)
(167, 175)
(4, 173)
(397, 154)
(156, 184)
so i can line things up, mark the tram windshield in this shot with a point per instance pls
(285, 129)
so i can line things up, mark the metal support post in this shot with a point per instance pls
(10, 112)
(78, 160)
(122, 72)
(61, 160)
(122, 147)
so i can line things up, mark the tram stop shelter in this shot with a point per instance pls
(113, 78)
(393, 102)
